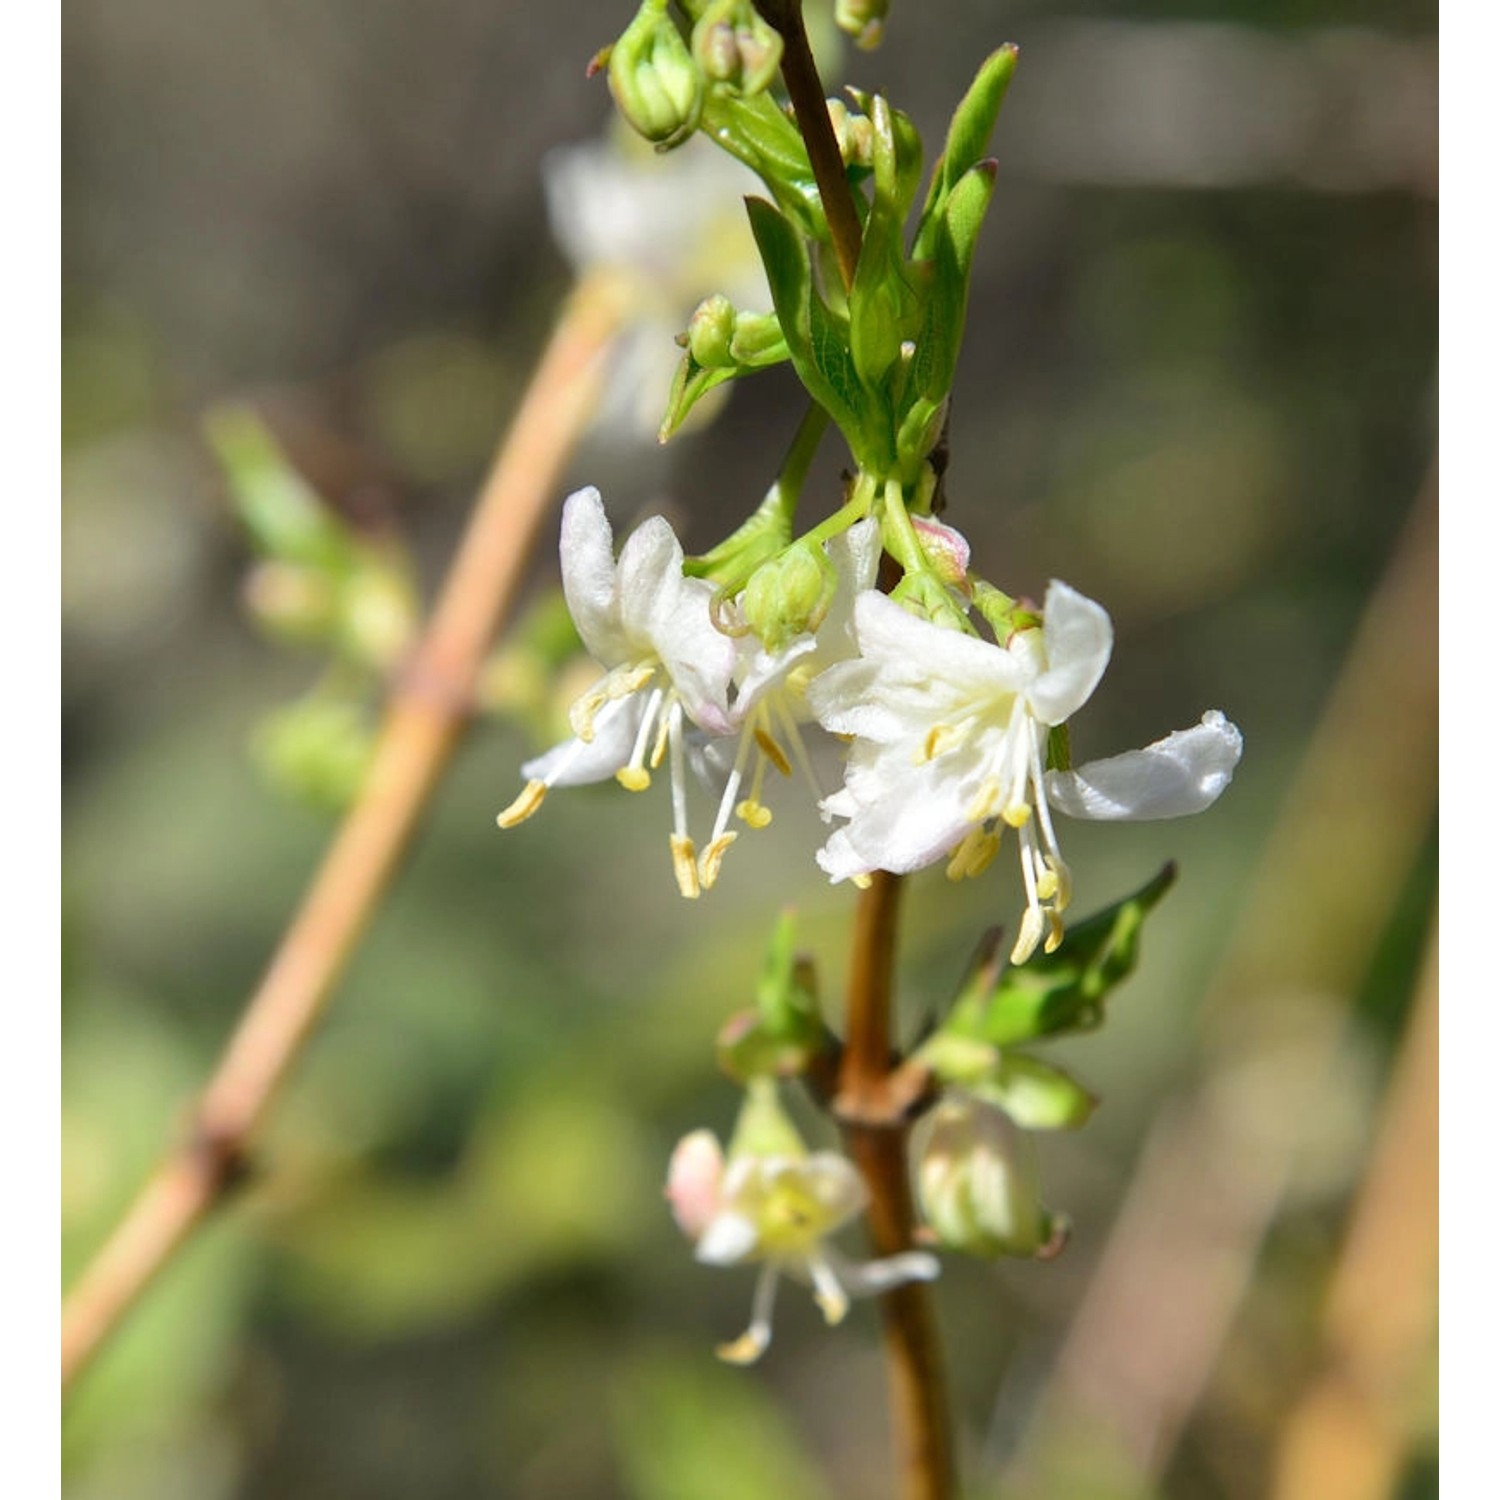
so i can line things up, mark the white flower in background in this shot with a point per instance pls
(779, 1209)
(674, 224)
(950, 745)
(666, 665)
(770, 704)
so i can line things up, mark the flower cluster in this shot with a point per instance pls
(950, 738)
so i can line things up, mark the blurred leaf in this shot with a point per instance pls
(686, 1428)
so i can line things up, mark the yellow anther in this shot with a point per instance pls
(1064, 882)
(755, 814)
(524, 805)
(711, 858)
(744, 1350)
(983, 853)
(1029, 936)
(940, 737)
(986, 800)
(832, 1305)
(773, 752)
(685, 866)
(659, 749)
(1047, 885)
(582, 714)
(633, 778)
(1054, 933)
(1017, 814)
(861, 882)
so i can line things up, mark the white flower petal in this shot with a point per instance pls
(650, 569)
(728, 1239)
(576, 763)
(1079, 638)
(907, 816)
(588, 575)
(835, 1184)
(871, 1277)
(1181, 774)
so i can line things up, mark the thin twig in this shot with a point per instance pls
(427, 712)
(810, 105)
(875, 1130)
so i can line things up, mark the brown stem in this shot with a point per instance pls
(875, 1125)
(427, 712)
(810, 104)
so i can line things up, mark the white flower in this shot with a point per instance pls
(665, 664)
(950, 745)
(770, 704)
(673, 224)
(779, 1210)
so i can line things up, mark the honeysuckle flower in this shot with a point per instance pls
(771, 706)
(779, 1209)
(978, 1183)
(674, 227)
(666, 666)
(950, 747)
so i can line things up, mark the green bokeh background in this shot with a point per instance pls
(1210, 407)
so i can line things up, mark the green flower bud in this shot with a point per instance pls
(864, 20)
(292, 601)
(789, 595)
(854, 133)
(378, 615)
(978, 1184)
(655, 82)
(733, 45)
(710, 332)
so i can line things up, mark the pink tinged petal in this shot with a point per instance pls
(1181, 774)
(1079, 639)
(576, 763)
(588, 575)
(693, 1180)
(727, 1239)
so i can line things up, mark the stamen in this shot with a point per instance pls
(772, 751)
(940, 737)
(753, 1342)
(986, 801)
(712, 857)
(861, 882)
(755, 814)
(685, 866)
(633, 778)
(1046, 884)
(1029, 936)
(524, 805)
(1054, 932)
(1017, 814)
(830, 1296)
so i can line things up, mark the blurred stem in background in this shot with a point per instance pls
(1214, 1169)
(430, 706)
(1348, 1435)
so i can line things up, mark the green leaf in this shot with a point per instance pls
(968, 137)
(1037, 1095)
(1062, 991)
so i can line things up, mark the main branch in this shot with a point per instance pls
(872, 1106)
(429, 708)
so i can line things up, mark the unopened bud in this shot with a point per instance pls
(864, 20)
(854, 133)
(734, 46)
(710, 332)
(378, 616)
(947, 550)
(789, 595)
(653, 77)
(977, 1182)
(291, 601)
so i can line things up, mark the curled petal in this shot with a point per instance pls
(579, 763)
(1181, 774)
(727, 1239)
(1079, 640)
(588, 575)
(868, 1278)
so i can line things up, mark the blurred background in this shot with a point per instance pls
(1199, 384)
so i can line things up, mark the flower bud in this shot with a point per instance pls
(864, 20)
(733, 45)
(654, 80)
(292, 601)
(378, 615)
(789, 595)
(710, 332)
(977, 1183)
(947, 550)
(854, 133)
